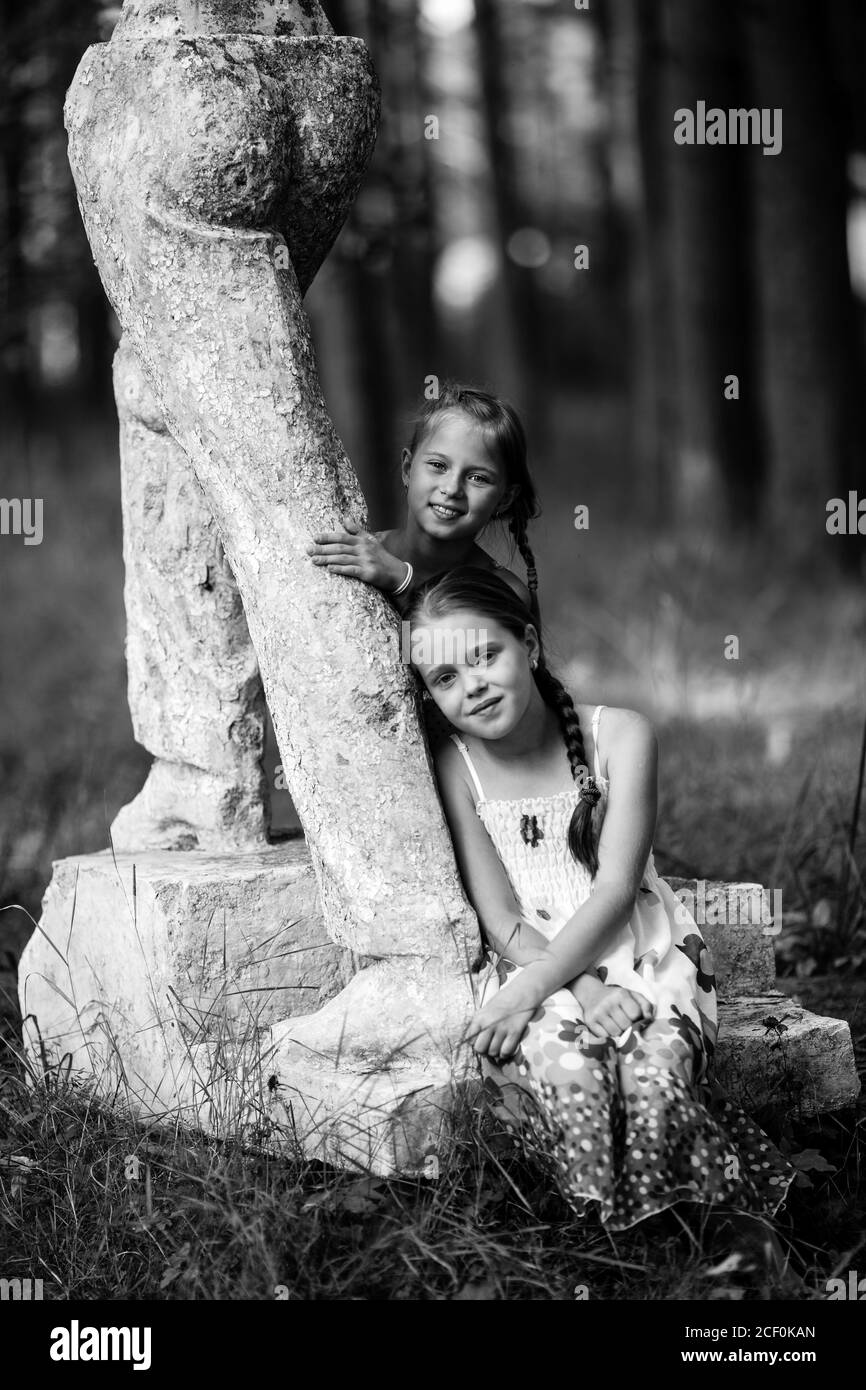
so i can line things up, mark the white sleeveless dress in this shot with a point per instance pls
(634, 1123)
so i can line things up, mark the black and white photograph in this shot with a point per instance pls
(433, 670)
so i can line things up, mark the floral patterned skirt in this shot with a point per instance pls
(636, 1124)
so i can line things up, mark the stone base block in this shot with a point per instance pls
(390, 1121)
(773, 1052)
(142, 960)
(734, 920)
(205, 987)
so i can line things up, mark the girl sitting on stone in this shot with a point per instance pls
(596, 998)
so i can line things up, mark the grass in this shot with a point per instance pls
(759, 780)
(101, 1207)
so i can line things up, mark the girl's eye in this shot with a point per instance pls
(485, 657)
(480, 478)
(447, 676)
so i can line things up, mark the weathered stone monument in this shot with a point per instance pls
(216, 149)
(318, 988)
(195, 691)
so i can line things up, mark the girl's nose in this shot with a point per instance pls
(451, 487)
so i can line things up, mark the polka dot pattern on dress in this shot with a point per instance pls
(636, 1124)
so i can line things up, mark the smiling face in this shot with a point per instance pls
(453, 483)
(476, 670)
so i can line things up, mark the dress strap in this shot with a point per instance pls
(595, 719)
(469, 763)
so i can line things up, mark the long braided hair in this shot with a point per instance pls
(466, 588)
(506, 439)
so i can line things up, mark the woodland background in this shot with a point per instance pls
(707, 516)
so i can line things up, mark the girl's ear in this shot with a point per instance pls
(405, 465)
(533, 646)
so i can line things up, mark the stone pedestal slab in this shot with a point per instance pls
(206, 987)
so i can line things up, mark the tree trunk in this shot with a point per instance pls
(384, 274)
(396, 45)
(654, 368)
(812, 358)
(527, 322)
(368, 352)
(15, 366)
(639, 210)
(718, 462)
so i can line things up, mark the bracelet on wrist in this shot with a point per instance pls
(407, 581)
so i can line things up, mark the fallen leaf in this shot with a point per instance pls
(810, 1160)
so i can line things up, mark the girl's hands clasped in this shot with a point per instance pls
(359, 555)
(496, 1029)
(609, 1011)
(614, 1010)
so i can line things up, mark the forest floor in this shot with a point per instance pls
(101, 1207)
(758, 774)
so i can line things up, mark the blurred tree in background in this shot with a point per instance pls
(530, 224)
(512, 134)
(58, 331)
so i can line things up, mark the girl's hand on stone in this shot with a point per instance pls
(359, 555)
(615, 1010)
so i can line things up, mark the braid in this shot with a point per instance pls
(517, 527)
(582, 839)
